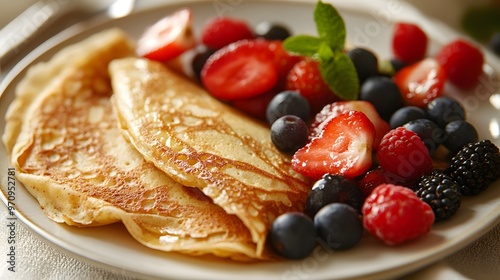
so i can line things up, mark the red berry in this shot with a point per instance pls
(409, 42)
(463, 63)
(240, 70)
(334, 109)
(255, 106)
(344, 147)
(305, 78)
(284, 62)
(394, 214)
(167, 38)
(404, 154)
(371, 180)
(421, 82)
(222, 31)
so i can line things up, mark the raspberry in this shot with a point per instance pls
(409, 42)
(402, 153)
(462, 62)
(394, 214)
(222, 31)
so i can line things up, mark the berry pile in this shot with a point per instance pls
(372, 153)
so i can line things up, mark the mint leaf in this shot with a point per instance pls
(302, 44)
(339, 73)
(330, 26)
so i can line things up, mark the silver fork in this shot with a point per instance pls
(31, 27)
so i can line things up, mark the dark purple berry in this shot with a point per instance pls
(289, 133)
(383, 93)
(293, 235)
(333, 188)
(272, 31)
(460, 133)
(339, 226)
(287, 103)
(406, 114)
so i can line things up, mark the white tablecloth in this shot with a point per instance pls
(37, 260)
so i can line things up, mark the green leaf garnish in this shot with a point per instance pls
(340, 75)
(302, 44)
(330, 25)
(335, 67)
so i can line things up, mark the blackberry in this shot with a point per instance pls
(475, 166)
(441, 192)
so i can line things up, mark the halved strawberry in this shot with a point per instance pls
(306, 78)
(421, 82)
(344, 147)
(332, 110)
(167, 38)
(239, 70)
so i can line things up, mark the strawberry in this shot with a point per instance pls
(222, 31)
(421, 82)
(402, 153)
(168, 38)
(344, 147)
(255, 106)
(463, 63)
(395, 215)
(332, 110)
(239, 70)
(409, 42)
(284, 62)
(305, 77)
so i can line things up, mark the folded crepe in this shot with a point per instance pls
(203, 143)
(64, 142)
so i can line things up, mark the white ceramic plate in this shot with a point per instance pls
(369, 24)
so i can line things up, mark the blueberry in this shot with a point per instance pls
(397, 64)
(460, 133)
(339, 226)
(443, 110)
(495, 43)
(430, 133)
(293, 235)
(406, 114)
(383, 93)
(272, 31)
(289, 133)
(365, 62)
(287, 103)
(333, 188)
(199, 60)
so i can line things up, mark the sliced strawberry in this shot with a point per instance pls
(284, 62)
(222, 31)
(344, 147)
(239, 70)
(305, 78)
(332, 110)
(421, 82)
(167, 38)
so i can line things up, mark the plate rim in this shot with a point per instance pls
(15, 74)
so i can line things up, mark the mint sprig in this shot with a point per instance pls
(336, 68)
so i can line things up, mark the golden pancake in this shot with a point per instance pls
(72, 157)
(203, 143)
